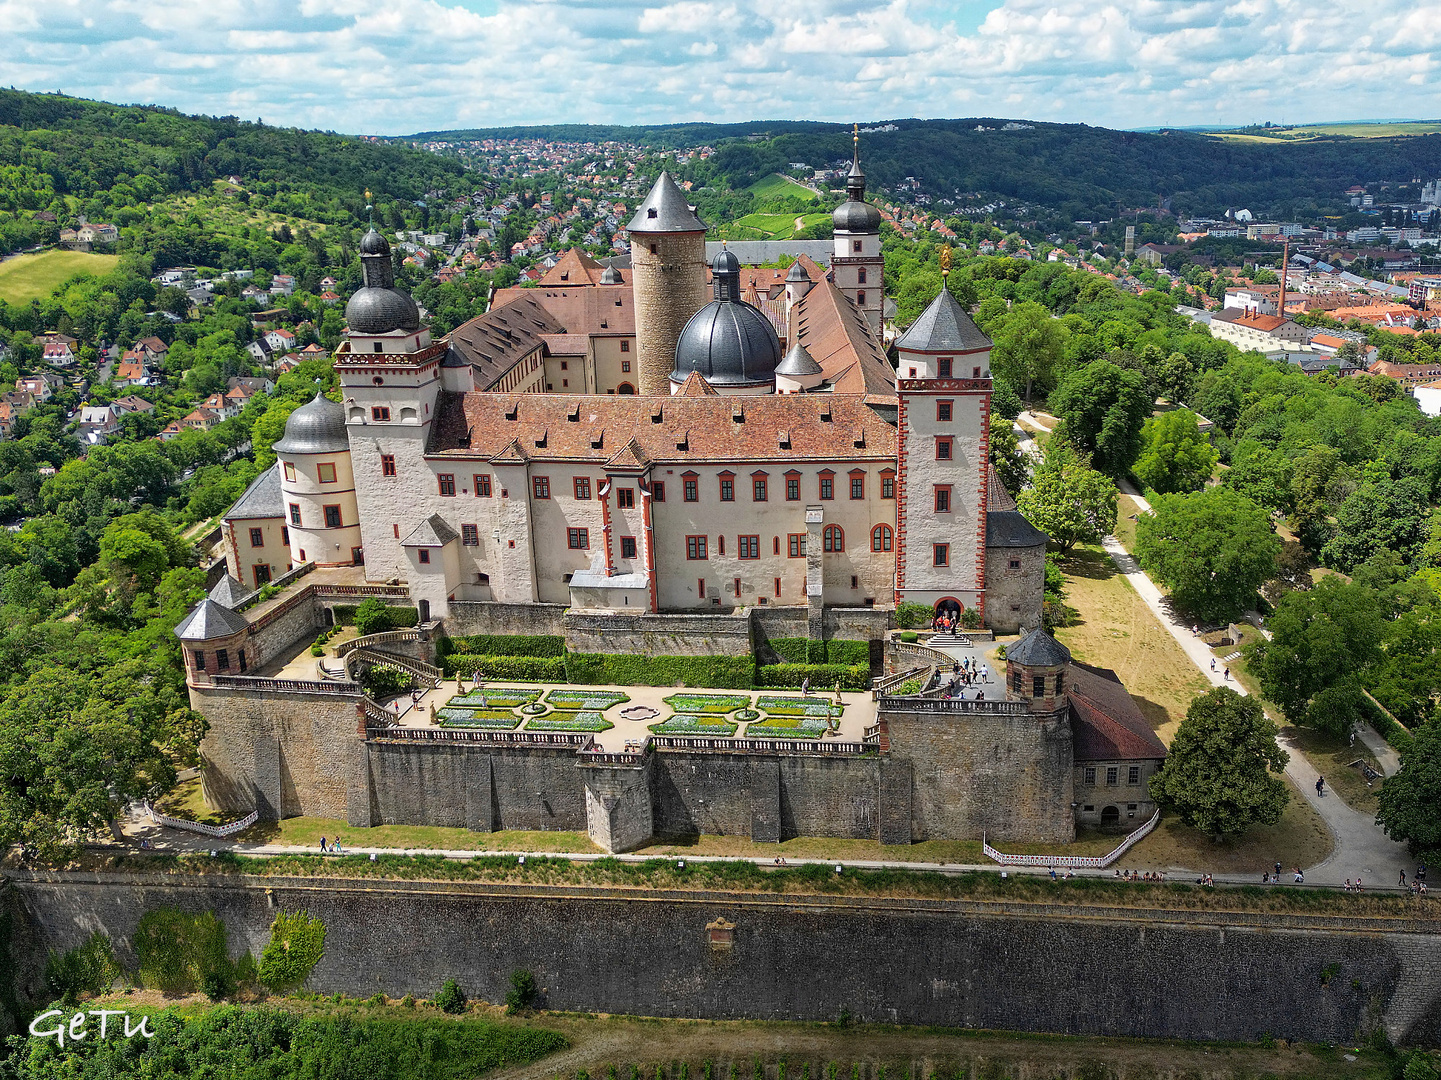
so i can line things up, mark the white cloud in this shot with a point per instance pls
(409, 65)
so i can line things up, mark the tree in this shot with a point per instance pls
(1070, 503)
(1102, 409)
(1028, 343)
(1175, 456)
(1381, 515)
(1261, 474)
(1408, 800)
(1320, 638)
(1007, 459)
(1213, 550)
(1218, 776)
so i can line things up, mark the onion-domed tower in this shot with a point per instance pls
(667, 265)
(381, 318)
(856, 262)
(731, 343)
(318, 486)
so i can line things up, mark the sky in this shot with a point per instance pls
(403, 66)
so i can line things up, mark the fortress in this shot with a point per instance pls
(640, 470)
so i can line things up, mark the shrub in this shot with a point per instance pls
(509, 668)
(821, 676)
(721, 672)
(522, 993)
(380, 682)
(808, 651)
(503, 645)
(451, 998)
(344, 614)
(909, 636)
(295, 946)
(911, 616)
(89, 968)
(373, 617)
(180, 953)
(971, 619)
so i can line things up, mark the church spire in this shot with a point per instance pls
(855, 179)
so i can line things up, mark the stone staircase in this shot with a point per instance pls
(942, 640)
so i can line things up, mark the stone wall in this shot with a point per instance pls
(658, 635)
(274, 633)
(850, 624)
(1185, 974)
(1013, 596)
(669, 284)
(474, 617)
(1005, 775)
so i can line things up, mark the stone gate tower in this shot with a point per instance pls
(667, 256)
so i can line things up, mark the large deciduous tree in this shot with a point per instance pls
(1409, 800)
(1213, 549)
(1218, 776)
(1070, 503)
(1102, 409)
(1175, 456)
(1028, 344)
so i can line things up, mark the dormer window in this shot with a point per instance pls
(650, 212)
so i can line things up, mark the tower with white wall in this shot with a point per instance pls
(856, 264)
(317, 486)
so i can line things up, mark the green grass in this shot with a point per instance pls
(483, 718)
(707, 703)
(772, 226)
(787, 727)
(569, 721)
(694, 724)
(493, 699)
(775, 186)
(799, 706)
(34, 277)
(585, 699)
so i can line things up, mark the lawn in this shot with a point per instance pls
(307, 831)
(695, 724)
(777, 186)
(1127, 511)
(569, 721)
(772, 226)
(34, 277)
(599, 700)
(499, 719)
(1118, 631)
(707, 703)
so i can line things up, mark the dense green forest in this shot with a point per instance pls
(1075, 170)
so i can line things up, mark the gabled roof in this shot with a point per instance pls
(574, 267)
(209, 620)
(1105, 722)
(433, 532)
(838, 337)
(262, 499)
(696, 386)
(665, 210)
(631, 456)
(229, 591)
(495, 342)
(943, 327)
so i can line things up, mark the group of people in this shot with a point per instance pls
(946, 622)
(1417, 884)
(965, 674)
(1139, 875)
(333, 848)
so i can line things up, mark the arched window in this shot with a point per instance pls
(881, 538)
(833, 539)
(625, 388)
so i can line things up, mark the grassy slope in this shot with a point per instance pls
(777, 186)
(33, 277)
(1354, 131)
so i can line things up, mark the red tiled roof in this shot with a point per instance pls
(1106, 722)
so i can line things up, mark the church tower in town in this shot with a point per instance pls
(668, 264)
(856, 262)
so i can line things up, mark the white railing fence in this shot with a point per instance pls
(1093, 862)
(218, 831)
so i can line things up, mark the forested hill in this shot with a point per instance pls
(69, 156)
(1075, 169)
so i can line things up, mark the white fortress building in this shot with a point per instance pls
(614, 441)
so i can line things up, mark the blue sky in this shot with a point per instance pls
(413, 65)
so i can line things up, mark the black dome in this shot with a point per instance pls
(725, 262)
(380, 311)
(730, 343)
(314, 428)
(372, 243)
(856, 216)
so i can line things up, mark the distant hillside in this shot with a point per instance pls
(1073, 169)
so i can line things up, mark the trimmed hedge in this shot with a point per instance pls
(509, 668)
(721, 672)
(808, 651)
(344, 614)
(503, 645)
(822, 676)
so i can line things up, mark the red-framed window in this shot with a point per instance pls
(289, 470)
(582, 487)
(482, 485)
(332, 517)
(760, 492)
(943, 367)
(750, 547)
(295, 513)
(625, 365)
(828, 484)
(380, 412)
(540, 486)
(657, 491)
(945, 448)
(424, 554)
(727, 486)
(690, 487)
(447, 483)
(796, 545)
(793, 487)
(858, 485)
(625, 346)
(941, 554)
(627, 547)
(833, 539)
(775, 545)
(325, 472)
(625, 498)
(257, 537)
(577, 539)
(943, 498)
(943, 411)
(470, 535)
(888, 485)
(861, 297)
(778, 588)
(881, 538)
(720, 542)
(695, 547)
(861, 275)
(387, 464)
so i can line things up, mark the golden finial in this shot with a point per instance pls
(856, 141)
(946, 260)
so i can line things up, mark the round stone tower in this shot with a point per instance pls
(667, 259)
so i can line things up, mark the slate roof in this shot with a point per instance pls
(209, 620)
(672, 429)
(1105, 722)
(433, 532)
(229, 591)
(665, 210)
(315, 428)
(1007, 527)
(262, 499)
(943, 327)
(1038, 649)
(798, 361)
(495, 342)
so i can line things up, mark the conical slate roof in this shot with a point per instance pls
(208, 620)
(944, 327)
(665, 210)
(1038, 649)
(798, 361)
(262, 499)
(316, 428)
(229, 591)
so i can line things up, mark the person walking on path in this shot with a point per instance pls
(1402, 882)
(806, 687)
(1320, 787)
(1213, 663)
(1228, 674)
